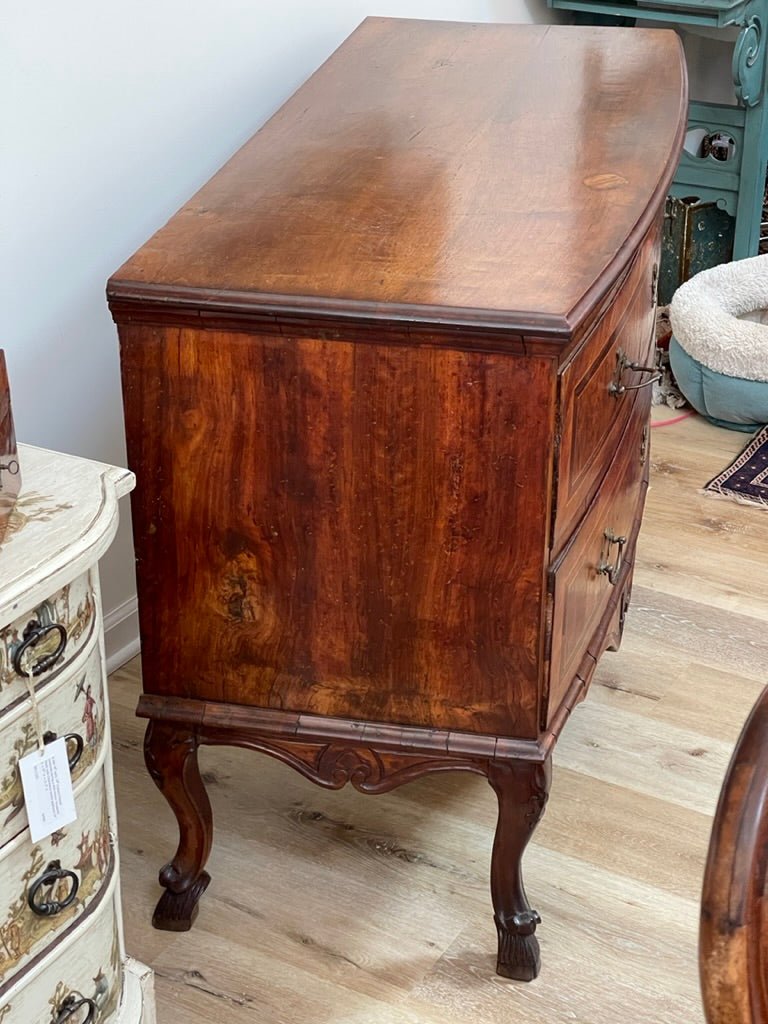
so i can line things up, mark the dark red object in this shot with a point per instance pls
(10, 474)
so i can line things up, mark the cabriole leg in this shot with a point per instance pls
(522, 789)
(170, 753)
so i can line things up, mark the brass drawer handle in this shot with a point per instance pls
(32, 636)
(624, 363)
(70, 1007)
(52, 874)
(70, 738)
(605, 568)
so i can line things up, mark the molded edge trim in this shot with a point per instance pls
(79, 553)
(201, 715)
(123, 295)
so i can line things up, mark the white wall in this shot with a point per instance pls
(113, 114)
(708, 53)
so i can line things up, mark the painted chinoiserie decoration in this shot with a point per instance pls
(10, 470)
(386, 394)
(62, 957)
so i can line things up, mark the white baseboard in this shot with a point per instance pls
(121, 633)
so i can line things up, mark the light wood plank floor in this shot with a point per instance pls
(338, 907)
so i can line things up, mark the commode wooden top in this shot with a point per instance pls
(498, 176)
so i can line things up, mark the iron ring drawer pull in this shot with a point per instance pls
(71, 737)
(32, 636)
(53, 873)
(605, 568)
(69, 1008)
(617, 387)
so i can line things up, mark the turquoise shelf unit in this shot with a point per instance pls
(736, 184)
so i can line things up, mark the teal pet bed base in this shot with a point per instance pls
(719, 349)
(731, 402)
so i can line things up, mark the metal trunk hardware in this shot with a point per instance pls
(697, 235)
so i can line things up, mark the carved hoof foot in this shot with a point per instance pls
(519, 956)
(176, 911)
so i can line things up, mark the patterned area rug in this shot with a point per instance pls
(746, 479)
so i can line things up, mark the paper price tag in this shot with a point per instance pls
(47, 787)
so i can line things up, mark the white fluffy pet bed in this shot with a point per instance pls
(719, 349)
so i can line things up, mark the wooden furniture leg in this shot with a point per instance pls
(522, 789)
(333, 761)
(170, 752)
(733, 931)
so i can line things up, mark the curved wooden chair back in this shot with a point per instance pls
(733, 937)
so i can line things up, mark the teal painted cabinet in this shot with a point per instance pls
(730, 166)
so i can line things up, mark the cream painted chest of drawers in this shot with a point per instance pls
(62, 956)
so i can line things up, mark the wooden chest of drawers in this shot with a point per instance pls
(62, 956)
(385, 393)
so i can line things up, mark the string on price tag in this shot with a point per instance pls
(35, 709)
(45, 779)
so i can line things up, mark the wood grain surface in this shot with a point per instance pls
(339, 529)
(616, 863)
(733, 952)
(424, 167)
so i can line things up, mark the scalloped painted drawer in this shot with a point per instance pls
(75, 609)
(74, 707)
(84, 854)
(89, 975)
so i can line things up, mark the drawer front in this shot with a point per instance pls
(85, 969)
(598, 390)
(61, 875)
(587, 576)
(73, 708)
(46, 639)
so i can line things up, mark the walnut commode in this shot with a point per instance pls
(385, 385)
